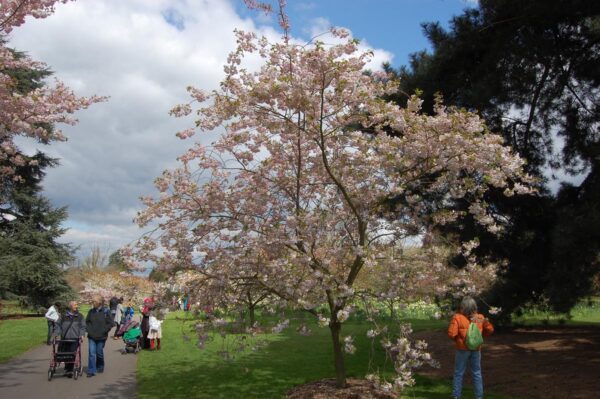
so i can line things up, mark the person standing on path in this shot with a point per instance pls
(98, 323)
(118, 317)
(70, 326)
(145, 326)
(457, 331)
(52, 316)
(112, 304)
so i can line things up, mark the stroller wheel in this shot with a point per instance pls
(75, 374)
(50, 374)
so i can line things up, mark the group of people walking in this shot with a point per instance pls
(70, 325)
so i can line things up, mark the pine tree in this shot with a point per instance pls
(531, 69)
(30, 256)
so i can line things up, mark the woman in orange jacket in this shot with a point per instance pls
(457, 331)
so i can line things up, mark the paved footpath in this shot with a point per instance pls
(26, 376)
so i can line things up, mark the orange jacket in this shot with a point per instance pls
(457, 329)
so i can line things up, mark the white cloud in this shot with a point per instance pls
(320, 27)
(143, 54)
(304, 6)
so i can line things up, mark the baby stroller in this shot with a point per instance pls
(132, 340)
(126, 326)
(60, 355)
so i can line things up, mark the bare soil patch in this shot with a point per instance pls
(326, 389)
(532, 363)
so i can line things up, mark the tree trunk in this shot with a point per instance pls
(338, 355)
(251, 314)
(392, 310)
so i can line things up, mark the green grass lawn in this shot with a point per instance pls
(181, 370)
(586, 313)
(20, 335)
(288, 360)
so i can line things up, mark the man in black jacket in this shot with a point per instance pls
(98, 323)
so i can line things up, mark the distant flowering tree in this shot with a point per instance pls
(210, 291)
(294, 195)
(26, 112)
(121, 284)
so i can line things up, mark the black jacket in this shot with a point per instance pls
(98, 323)
(113, 303)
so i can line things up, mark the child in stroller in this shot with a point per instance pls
(132, 340)
(131, 333)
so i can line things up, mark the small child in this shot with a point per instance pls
(155, 332)
(128, 313)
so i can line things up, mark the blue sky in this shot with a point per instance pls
(392, 25)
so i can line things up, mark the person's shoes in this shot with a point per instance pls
(100, 370)
(89, 375)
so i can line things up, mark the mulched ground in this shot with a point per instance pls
(325, 389)
(547, 363)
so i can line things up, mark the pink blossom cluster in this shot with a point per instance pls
(14, 12)
(406, 355)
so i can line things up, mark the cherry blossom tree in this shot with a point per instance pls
(29, 113)
(294, 195)
(121, 284)
(210, 291)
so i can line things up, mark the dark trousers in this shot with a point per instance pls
(51, 327)
(68, 347)
(117, 325)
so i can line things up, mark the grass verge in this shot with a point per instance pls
(20, 335)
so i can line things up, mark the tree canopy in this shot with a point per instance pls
(531, 69)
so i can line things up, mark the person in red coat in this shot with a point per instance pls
(457, 331)
(145, 325)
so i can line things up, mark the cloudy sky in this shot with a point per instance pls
(143, 54)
